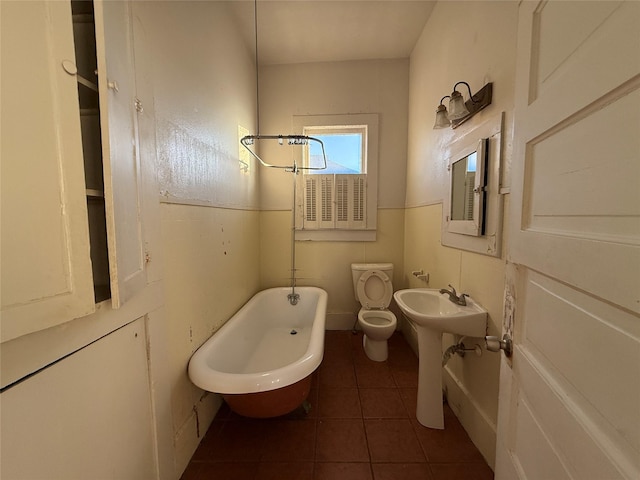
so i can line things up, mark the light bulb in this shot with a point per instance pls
(442, 119)
(457, 108)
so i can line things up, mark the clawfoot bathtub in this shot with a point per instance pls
(262, 359)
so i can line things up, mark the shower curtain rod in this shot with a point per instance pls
(248, 140)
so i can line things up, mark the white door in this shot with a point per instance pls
(570, 395)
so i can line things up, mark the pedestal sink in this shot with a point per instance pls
(434, 314)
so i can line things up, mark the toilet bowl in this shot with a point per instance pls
(378, 326)
(373, 289)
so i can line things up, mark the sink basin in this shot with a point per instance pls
(434, 314)
(429, 308)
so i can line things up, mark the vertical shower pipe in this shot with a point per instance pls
(293, 296)
(248, 140)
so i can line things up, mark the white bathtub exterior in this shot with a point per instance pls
(255, 351)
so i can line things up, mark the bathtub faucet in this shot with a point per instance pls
(453, 296)
(293, 298)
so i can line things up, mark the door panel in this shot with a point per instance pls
(563, 435)
(123, 191)
(580, 182)
(87, 416)
(569, 399)
(46, 268)
(559, 313)
(559, 36)
(531, 438)
(581, 191)
(576, 392)
(574, 54)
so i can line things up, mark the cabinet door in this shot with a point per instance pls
(46, 267)
(121, 159)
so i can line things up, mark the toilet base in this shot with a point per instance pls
(376, 350)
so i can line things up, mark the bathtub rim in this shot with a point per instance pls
(215, 381)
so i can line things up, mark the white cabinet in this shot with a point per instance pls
(46, 263)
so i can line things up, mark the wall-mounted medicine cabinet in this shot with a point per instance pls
(472, 210)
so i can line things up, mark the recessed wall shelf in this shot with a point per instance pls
(95, 193)
(88, 98)
(86, 83)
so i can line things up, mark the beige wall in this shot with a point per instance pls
(204, 83)
(73, 420)
(211, 258)
(328, 264)
(377, 86)
(218, 249)
(477, 52)
(380, 87)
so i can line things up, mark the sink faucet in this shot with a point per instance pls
(453, 296)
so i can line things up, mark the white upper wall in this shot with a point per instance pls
(372, 86)
(204, 80)
(478, 49)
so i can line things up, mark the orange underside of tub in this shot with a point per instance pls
(272, 403)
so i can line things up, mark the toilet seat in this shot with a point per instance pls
(377, 319)
(374, 290)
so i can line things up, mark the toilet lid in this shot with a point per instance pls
(374, 289)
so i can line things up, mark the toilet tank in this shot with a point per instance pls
(357, 269)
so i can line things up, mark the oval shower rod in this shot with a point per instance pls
(249, 140)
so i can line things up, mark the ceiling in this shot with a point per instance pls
(302, 31)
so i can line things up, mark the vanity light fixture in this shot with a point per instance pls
(460, 110)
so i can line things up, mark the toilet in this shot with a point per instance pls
(373, 289)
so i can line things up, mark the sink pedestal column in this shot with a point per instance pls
(429, 411)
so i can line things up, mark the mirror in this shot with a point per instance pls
(463, 179)
(467, 191)
(472, 217)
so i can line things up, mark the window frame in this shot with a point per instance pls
(325, 130)
(370, 153)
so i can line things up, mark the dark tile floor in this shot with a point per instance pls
(361, 426)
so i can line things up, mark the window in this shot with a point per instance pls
(335, 197)
(345, 149)
(339, 202)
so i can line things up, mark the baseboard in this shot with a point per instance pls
(193, 430)
(481, 429)
(478, 425)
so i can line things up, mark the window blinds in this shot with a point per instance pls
(335, 201)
